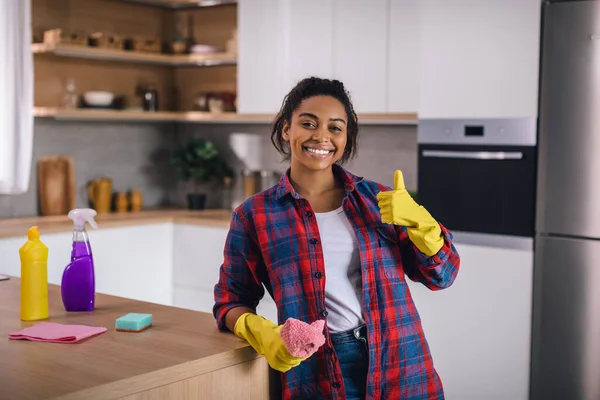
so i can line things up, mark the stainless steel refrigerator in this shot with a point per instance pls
(566, 315)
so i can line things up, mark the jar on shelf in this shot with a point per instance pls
(149, 98)
(70, 99)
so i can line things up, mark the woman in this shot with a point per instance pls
(330, 245)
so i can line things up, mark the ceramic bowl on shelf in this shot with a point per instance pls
(202, 49)
(98, 98)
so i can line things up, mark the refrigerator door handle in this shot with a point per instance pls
(474, 155)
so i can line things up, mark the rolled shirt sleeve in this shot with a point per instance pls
(239, 284)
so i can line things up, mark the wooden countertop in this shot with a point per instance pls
(180, 345)
(15, 227)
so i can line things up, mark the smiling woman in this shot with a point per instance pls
(331, 246)
(315, 134)
(306, 106)
(315, 128)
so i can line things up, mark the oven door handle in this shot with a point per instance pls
(474, 155)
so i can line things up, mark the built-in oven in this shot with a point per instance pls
(479, 176)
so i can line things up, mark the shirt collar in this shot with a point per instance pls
(350, 180)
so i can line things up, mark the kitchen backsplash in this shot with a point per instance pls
(381, 150)
(137, 154)
(133, 155)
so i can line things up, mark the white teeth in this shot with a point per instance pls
(316, 151)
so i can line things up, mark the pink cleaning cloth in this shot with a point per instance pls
(302, 339)
(57, 333)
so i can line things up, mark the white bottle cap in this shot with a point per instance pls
(82, 215)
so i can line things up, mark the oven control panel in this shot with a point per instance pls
(511, 132)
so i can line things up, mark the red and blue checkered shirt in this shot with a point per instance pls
(274, 241)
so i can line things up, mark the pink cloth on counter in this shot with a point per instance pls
(57, 333)
(302, 339)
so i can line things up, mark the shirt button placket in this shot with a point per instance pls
(314, 241)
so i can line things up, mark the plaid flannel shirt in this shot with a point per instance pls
(274, 241)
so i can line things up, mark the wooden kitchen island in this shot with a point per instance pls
(183, 356)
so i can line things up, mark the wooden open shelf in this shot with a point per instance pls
(154, 116)
(197, 116)
(182, 4)
(118, 71)
(202, 60)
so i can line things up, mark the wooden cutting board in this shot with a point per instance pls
(56, 183)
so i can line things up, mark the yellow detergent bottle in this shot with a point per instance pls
(34, 277)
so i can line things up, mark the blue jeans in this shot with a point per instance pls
(353, 355)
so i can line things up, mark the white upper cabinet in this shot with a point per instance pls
(309, 44)
(280, 42)
(261, 44)
(403, 57)
(371, 46)
(479, 58)
(360, 32)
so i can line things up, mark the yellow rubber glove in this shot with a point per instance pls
(398, 207)
(263, 336)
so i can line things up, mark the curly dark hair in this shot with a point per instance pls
(310, 87)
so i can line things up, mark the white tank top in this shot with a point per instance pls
(343, 283)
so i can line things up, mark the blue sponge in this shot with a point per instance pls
(133, 322)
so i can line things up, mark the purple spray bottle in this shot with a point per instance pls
(78, 281)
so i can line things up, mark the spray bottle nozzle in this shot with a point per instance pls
(82, 215)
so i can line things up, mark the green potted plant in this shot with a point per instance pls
(200, 161)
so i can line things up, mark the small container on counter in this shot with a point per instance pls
(136, 200)
(268, 178)
(250, 183)
(100, 194)
(227, 193)
(258, 181)
(121, 202)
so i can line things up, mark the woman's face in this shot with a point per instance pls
(317, 133)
